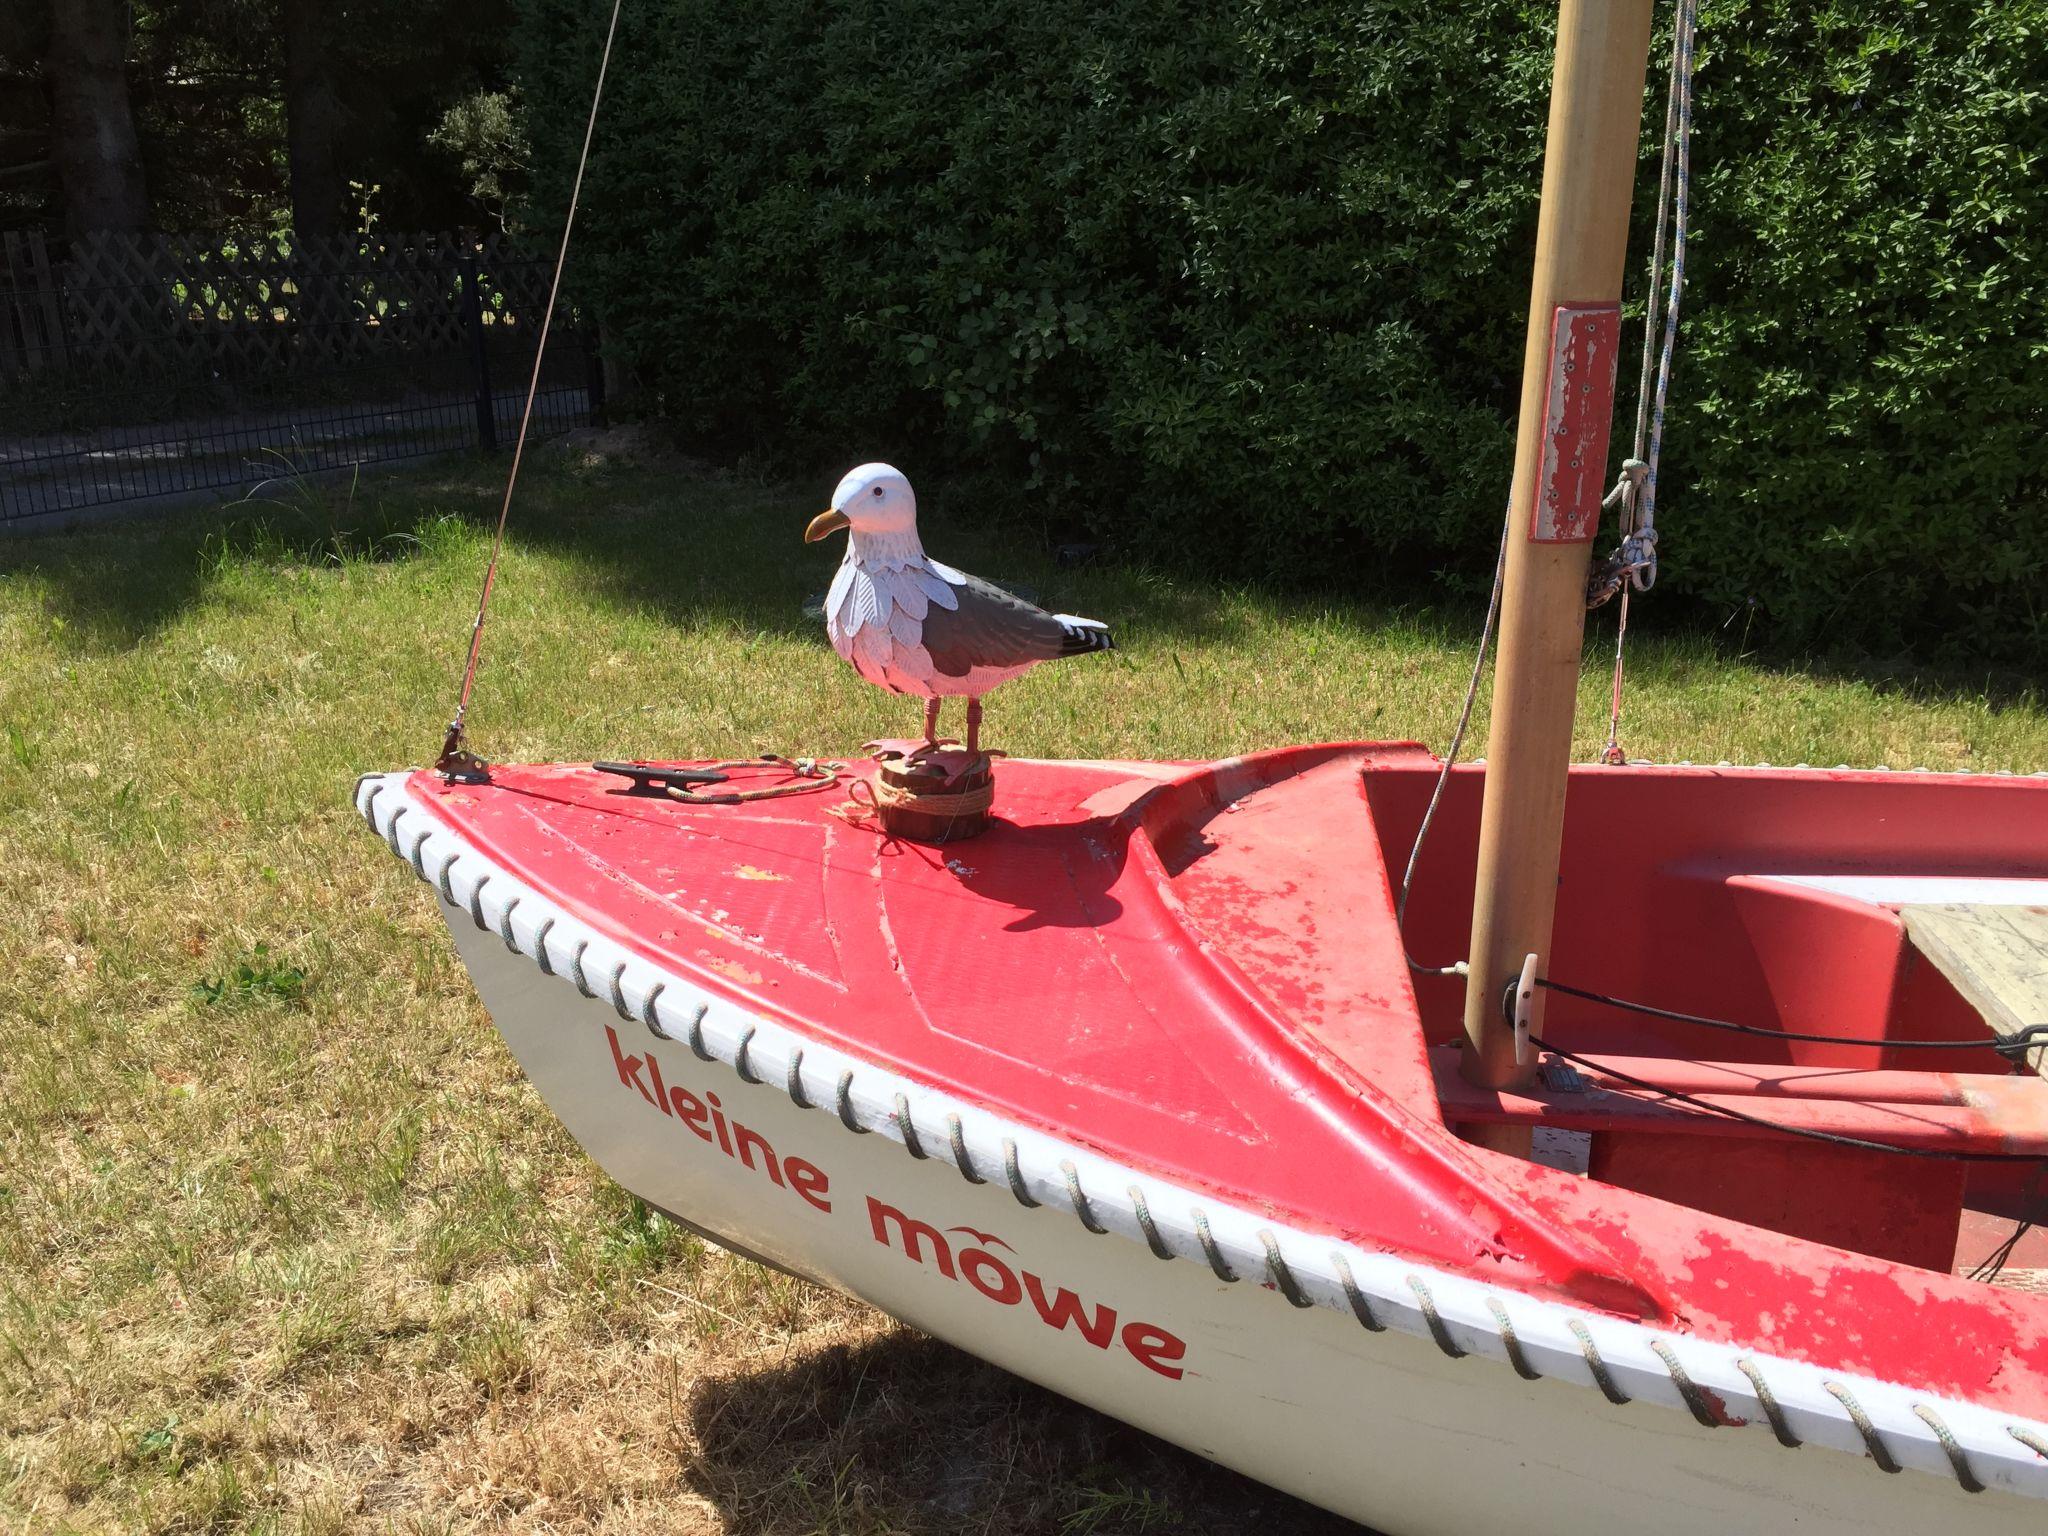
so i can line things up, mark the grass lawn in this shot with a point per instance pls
(287, 1243)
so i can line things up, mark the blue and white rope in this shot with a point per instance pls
(1674, 200)
(1634, 565)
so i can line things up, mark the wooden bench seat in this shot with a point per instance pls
(1995, 955)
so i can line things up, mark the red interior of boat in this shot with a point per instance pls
(1194, 969)
(1681, 900)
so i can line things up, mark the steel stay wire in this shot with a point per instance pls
(451, 749)
(1443, 778)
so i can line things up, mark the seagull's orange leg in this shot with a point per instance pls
(933, 741)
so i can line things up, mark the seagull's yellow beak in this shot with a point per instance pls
(830, 521)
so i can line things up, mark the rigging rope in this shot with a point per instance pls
(1500, 565)
(2013, 1047)
(1994, 1263)
(1936, 1154)
(1633, 566)
(454, 760)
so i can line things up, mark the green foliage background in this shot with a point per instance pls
(1247, 278)
(206, 85)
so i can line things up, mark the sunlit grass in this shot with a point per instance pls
(287, 1243)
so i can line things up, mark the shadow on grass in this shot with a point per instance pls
(688, 548)
(701, 548)
(693, 549)
(115, 584)
(109, 594)
(1679, 648)
(905, 1433)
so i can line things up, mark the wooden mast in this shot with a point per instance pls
(1589, 167)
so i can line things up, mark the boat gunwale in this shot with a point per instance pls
(1718, 1384)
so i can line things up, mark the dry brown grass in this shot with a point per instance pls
(286, 1241)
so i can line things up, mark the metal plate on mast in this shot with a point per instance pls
(1585, 344)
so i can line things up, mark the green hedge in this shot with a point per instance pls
(1247, 279)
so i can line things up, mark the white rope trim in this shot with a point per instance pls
(1535, 1336)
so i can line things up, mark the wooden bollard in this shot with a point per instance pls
(942, 798)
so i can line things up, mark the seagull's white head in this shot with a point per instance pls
(871, 499)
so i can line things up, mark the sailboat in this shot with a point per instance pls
(1650, 1211)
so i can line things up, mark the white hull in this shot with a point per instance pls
(1384, 1427)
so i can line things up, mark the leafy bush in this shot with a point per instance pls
(1863, 437)
(1248, 280)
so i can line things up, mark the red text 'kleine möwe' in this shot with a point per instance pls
(1151, 1346)
(706, 1120)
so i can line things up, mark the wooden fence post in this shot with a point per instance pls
(593, 368)
(473, 309)
(32, 331)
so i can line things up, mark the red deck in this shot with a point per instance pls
(1193, 969)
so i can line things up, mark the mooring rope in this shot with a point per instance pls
(452, 755)
(806, 776)
(1633, 566)
(882, 795)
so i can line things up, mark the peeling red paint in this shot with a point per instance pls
(1585, 345)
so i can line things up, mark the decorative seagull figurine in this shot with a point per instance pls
(911, 625)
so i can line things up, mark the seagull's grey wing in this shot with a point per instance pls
(990, 628)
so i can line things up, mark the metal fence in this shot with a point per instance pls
(136, 366)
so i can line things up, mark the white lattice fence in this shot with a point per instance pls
(158, 303)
